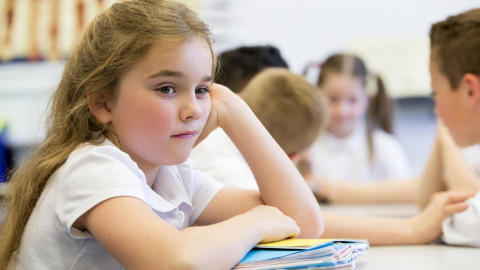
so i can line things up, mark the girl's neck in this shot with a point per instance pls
(150, 176)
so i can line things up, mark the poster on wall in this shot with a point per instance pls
(43, 30)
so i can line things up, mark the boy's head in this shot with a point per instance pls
(455, 74)
(291, 109)
(239, 65)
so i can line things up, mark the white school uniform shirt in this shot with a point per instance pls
(91, 175)
(347, 159)
(464, 228)
(219, 158)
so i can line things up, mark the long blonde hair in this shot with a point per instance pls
(111, 44)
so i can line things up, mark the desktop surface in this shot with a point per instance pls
(412, 257)
(421, 257)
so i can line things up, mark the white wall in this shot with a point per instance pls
(306, 30)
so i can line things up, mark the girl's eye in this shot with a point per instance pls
(333, 99)
(166, 90)
(201, 91)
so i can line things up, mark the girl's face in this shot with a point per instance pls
(347, 103)
(163, 104)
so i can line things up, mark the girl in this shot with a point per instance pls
(110, 186)
(355, 149)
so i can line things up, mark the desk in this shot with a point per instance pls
(421, 257)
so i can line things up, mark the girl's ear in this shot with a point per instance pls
(100, 108)
(472, 82)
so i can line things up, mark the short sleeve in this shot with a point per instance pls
(218, 157)
(202, 189)
(91, 175)
(464, 228)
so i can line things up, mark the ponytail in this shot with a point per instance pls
(379, 114)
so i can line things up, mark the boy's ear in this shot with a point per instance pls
(472, 82)
(100, 108)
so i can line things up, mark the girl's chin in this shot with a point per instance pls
(341, 133)
(177, 159)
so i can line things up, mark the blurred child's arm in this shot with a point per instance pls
(446, 168)
(279, 182)
(432, 178)
(389, 191)
(456, 172)
(421, 229)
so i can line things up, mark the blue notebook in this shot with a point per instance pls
(305, 253)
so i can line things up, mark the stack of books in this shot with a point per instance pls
(305, 254)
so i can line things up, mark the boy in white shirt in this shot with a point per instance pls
(455, 74)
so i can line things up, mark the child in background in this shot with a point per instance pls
(238, 66)
(455, 74)
(110, 187)
(355, 149)
(289, 107)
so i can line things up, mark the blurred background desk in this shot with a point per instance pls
(373, 210)
(421, 257)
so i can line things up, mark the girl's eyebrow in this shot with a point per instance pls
(167, 73)
(207, 78)
(177, 74)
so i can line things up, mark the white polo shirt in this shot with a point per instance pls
(93, 174)
(464, 228)
(347, 159)
(218, 157)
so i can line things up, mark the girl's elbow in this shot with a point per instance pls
(318, 228)
(313, 228)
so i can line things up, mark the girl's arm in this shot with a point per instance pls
(132, 233)
(421, 229)
(279, 182)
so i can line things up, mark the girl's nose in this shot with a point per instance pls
(342, 108)
(190, 110)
